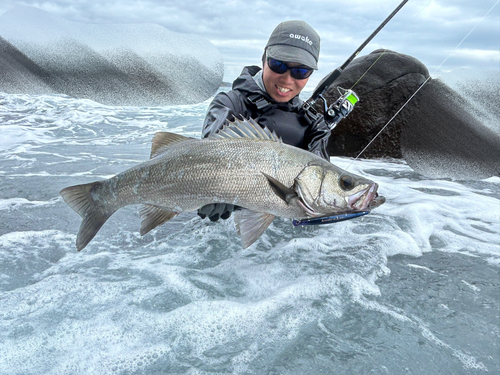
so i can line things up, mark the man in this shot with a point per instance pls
(271, 97)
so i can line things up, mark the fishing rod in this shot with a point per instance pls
(342, 217)
(336, 112)
(348, 98)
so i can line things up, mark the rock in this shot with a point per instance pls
(119, 65)
(436, 132)
(18, 73)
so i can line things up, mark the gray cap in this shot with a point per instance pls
(294, 41)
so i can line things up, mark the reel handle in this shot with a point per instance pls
(341, 108)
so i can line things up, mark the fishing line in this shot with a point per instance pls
(385, 50)
(421, 86)
(367, 70)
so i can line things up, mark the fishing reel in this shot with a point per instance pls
(340, 108)
(345, 103)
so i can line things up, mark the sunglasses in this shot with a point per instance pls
(280, 67)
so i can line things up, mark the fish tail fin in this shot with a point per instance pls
(93, 212)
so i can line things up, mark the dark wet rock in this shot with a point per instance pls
(445, 138)
(382, 90)
(19, 73)
(121, 78)
(437, 133)
(119, 65)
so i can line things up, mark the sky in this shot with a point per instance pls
(432, 31)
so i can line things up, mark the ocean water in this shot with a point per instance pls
(412, 288)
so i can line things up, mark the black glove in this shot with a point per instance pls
(215, 211)
(318, 134)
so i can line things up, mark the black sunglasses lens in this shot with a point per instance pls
(300, 73)
(277, 66)
(280, 67)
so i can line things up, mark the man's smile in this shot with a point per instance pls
(283, 90)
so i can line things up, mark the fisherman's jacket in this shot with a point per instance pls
(247, 100)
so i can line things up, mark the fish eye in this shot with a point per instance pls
(346, 182)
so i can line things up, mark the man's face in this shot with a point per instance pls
(282, 87)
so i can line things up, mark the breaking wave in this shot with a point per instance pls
(412, 287)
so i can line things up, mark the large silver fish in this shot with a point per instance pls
(243, 164)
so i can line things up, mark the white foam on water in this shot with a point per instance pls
(80, 324)
(23, 255)
(37, 120)
(17, 203)
(15, 135)
(468, 361)
(440, 214)
(186, 298)
(25, 238)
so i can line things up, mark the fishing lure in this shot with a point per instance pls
(329, 219)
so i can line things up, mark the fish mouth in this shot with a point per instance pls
(377, 201)
(366, 199)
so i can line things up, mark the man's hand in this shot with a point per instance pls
(216, 210)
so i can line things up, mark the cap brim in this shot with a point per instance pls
(287, 53)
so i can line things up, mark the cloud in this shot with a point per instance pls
(478, 54)
(425, 29)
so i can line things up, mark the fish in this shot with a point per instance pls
(243, 164)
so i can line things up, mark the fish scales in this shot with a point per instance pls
(244, 165)
(213, 171)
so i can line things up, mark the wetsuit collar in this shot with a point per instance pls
(259, 81)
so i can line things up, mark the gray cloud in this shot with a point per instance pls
(426, 29)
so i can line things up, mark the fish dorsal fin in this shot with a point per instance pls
(250, 225)
(246, 128)
(162, 140)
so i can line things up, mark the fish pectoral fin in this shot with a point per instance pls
(250, 225)
(285, 193)
(152, 216)
(162, 140)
